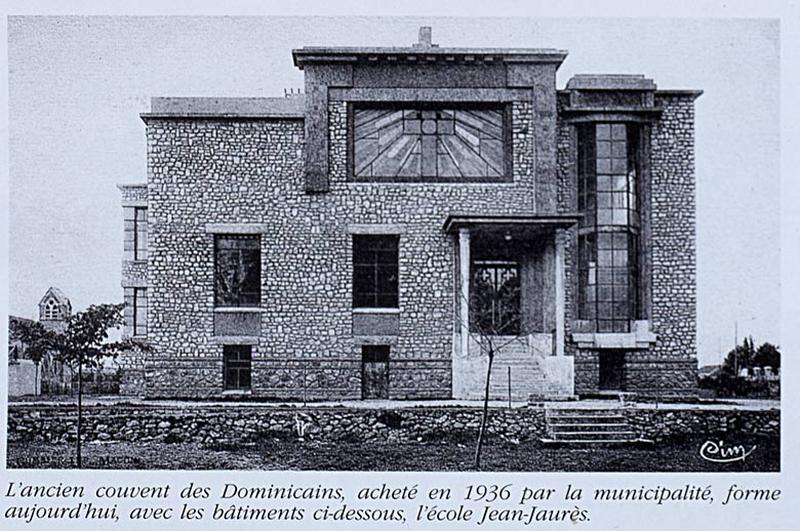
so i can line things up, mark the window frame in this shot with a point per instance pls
(138, 294)
(254, 300)
(52, 311)
(140, 233)
(592, 280)
(377, 266)
(508, 148)
(511, 327)
(243, 364)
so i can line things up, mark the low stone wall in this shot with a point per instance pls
(235, 424)
(240, 424)
(662, 424)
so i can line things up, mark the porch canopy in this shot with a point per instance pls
(536, 223)
(512, 231)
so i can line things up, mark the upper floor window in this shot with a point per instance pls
(375, 271)
(237, 268)
(608, 233)
(135, 233)
(430, 142)
(139, 233)
(51, 311)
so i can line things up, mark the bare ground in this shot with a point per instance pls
(671, 456)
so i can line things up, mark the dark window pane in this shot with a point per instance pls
(238, 271)
(495, 298)
(375, 271)
(236, 361)
(375, 353)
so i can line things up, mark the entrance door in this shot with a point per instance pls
(611, 367)
(375, 371)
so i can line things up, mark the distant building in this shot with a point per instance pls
(332, 244)
(48, 376)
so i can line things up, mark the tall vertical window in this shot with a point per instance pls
(495, 297)
(139, 312)
(139, 233)
(237, 268)
(237, 366)
(375, 271)
(608, 233)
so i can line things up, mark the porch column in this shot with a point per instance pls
(559, 283)
(463, 303)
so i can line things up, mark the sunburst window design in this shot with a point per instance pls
(449, 143)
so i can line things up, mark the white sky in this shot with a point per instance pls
(77, 85)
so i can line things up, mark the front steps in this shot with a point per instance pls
(589, 426)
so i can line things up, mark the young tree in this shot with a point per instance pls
(39, 341)
(82, 344)
(494, 324)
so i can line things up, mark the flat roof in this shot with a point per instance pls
(314, 54)
(292, 106)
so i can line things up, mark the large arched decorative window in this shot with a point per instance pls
(608, 232)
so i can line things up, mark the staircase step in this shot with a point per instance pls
(582, 412)
(589, 427)
(597, 441)
(588, 418)
(613, 433)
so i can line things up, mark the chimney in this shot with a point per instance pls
(425, 38)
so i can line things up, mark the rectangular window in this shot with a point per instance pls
(375, 271)
(140, 233)
(429, 142)
(375, 371)
(237, 366)
(139, 312)
(237, 264)
(608, 233)
(495, 297)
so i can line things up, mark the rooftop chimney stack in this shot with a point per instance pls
(425, 38)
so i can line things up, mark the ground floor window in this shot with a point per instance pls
(495, 297)
(237, 366)
(139, 311)
(375, 271)
(375, 371)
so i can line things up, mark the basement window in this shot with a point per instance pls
(237, 367)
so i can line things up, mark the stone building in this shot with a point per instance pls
(368, 238)
(46, 375)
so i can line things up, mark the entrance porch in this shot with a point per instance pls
(510, 300)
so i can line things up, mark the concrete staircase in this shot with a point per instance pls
(589, 426)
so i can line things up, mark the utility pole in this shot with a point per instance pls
(736, 348)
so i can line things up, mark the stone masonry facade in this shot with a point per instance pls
(281, 170)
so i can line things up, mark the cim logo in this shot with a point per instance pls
(718, 452)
